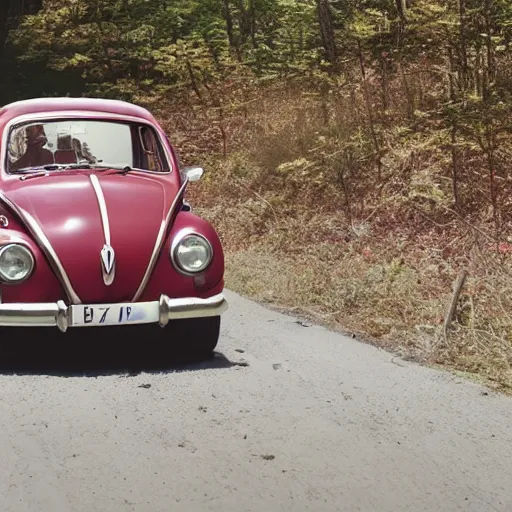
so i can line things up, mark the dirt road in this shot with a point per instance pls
(315, 422)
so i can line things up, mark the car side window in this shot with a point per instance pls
(152, 155)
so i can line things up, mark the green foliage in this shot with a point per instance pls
(121, 48)
(440, 71)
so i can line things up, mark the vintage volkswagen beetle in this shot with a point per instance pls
(94, 228)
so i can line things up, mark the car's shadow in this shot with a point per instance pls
(96, 359)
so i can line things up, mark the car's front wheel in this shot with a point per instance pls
(195, 338)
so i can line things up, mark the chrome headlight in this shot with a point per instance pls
(191, 253)
(16, 263)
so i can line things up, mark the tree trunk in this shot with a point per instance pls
(479, 86)
(464, 78)
(326, 21)
(453, 136)
(4, 11)
(407, 89)
(244, 23)
(346, 191)
(369, 108)
(252, 21)
(229, 24)
(193, 81)
(452, 307)
(384, 83)
(33, 6)
(490, 136)
(401, 7)
(455, 166)
(490, 72)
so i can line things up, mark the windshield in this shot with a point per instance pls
(77, 141)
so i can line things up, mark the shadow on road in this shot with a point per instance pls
(97, 358)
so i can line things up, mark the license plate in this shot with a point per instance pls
(85, 315)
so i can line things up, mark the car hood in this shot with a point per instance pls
(67, 209)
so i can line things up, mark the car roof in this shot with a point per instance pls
(41, 105)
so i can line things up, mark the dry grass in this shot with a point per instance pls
(396, 302)
(306, 228)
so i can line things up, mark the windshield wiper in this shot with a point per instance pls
(55, 167)
(28, 176)
(86, 165)
(50, 167)
(126, 169)
(120, 169)
(101, 166)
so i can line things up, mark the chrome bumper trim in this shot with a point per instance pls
(58, 314)
(176, 309)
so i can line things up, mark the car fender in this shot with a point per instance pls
(42, 285)
(168, 280)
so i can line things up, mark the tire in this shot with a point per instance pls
(195, 338)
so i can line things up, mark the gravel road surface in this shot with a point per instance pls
(284, 418)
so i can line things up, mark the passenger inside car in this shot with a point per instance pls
(65, 153)
(35, 154)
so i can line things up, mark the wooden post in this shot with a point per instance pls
(457, 289)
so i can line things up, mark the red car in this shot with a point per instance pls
(94, 228)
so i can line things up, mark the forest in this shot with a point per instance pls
(357, 153)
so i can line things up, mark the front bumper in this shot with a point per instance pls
(100, 315)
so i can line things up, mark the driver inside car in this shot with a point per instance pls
(35, 155)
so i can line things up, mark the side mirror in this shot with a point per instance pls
(193, 173)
